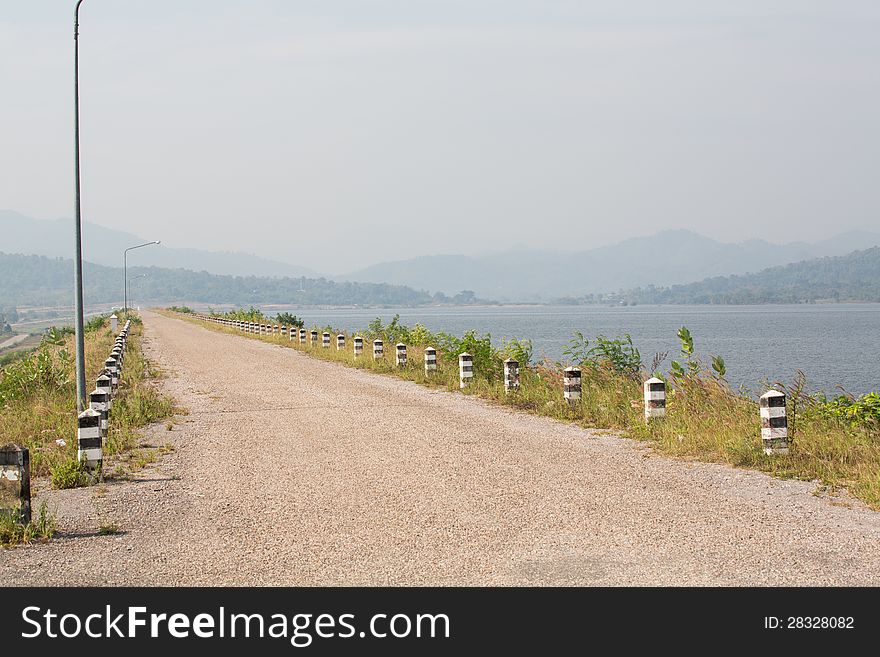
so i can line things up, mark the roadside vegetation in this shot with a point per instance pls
(835, 441)
(38, 404)
(13, 531)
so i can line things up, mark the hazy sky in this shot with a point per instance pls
(337, 133)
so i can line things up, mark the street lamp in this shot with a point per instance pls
(134, 279)
(125, 266)
(77, 259)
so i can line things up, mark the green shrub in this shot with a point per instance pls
(70, 473)
(286, 319)
(96, 323)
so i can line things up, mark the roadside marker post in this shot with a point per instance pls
(571, 386)
(89, 445)
(511, 375)
(465, 370)
(15, 472)
(774, 423)
(430, 360)
(655, 399)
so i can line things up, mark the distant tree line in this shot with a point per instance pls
(38, 280)
(852, 277)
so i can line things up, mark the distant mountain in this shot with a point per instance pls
(852, 277)
(41, 281)
(104, 246)
(667, 258)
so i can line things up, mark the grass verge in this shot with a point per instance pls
(38, 401)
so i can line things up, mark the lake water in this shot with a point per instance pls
(833, 344)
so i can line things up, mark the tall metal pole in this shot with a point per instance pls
(77, 260)
(125, 269)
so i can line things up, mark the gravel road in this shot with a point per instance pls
(294, 471)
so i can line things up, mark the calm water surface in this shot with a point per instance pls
(833, 344)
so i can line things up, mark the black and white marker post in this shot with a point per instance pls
(774, 423)
(571, 386)
(655, 399)
(430, 360)
(89, 444)
(511, 375)
(465, 370)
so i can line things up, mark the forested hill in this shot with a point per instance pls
(853, 277)
(38, 280)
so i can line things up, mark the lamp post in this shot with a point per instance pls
(81, 401)
(125, 266)
(133, 279)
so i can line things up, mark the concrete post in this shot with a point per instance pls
(511, 375)
(302, 336)
(358, 346)
(104, 384)
(465, 370)
(314, 338)
(571, 386)
(655, 399)
(401, 354)
(15, 465)
(430, 360)
(774, 423)
(340, 342)
(114, 323)
(378, 349)
(99, 401)
(88, 437)
(325, 340)
(113, 371)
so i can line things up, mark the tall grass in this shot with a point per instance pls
(14, 531)
(705, 419)
(38, 399)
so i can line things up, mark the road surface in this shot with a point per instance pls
(293, 471)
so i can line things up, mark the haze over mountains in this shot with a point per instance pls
(673, 257)
(29, 280)
(667, 258)
(104, 246)
(852, 277)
